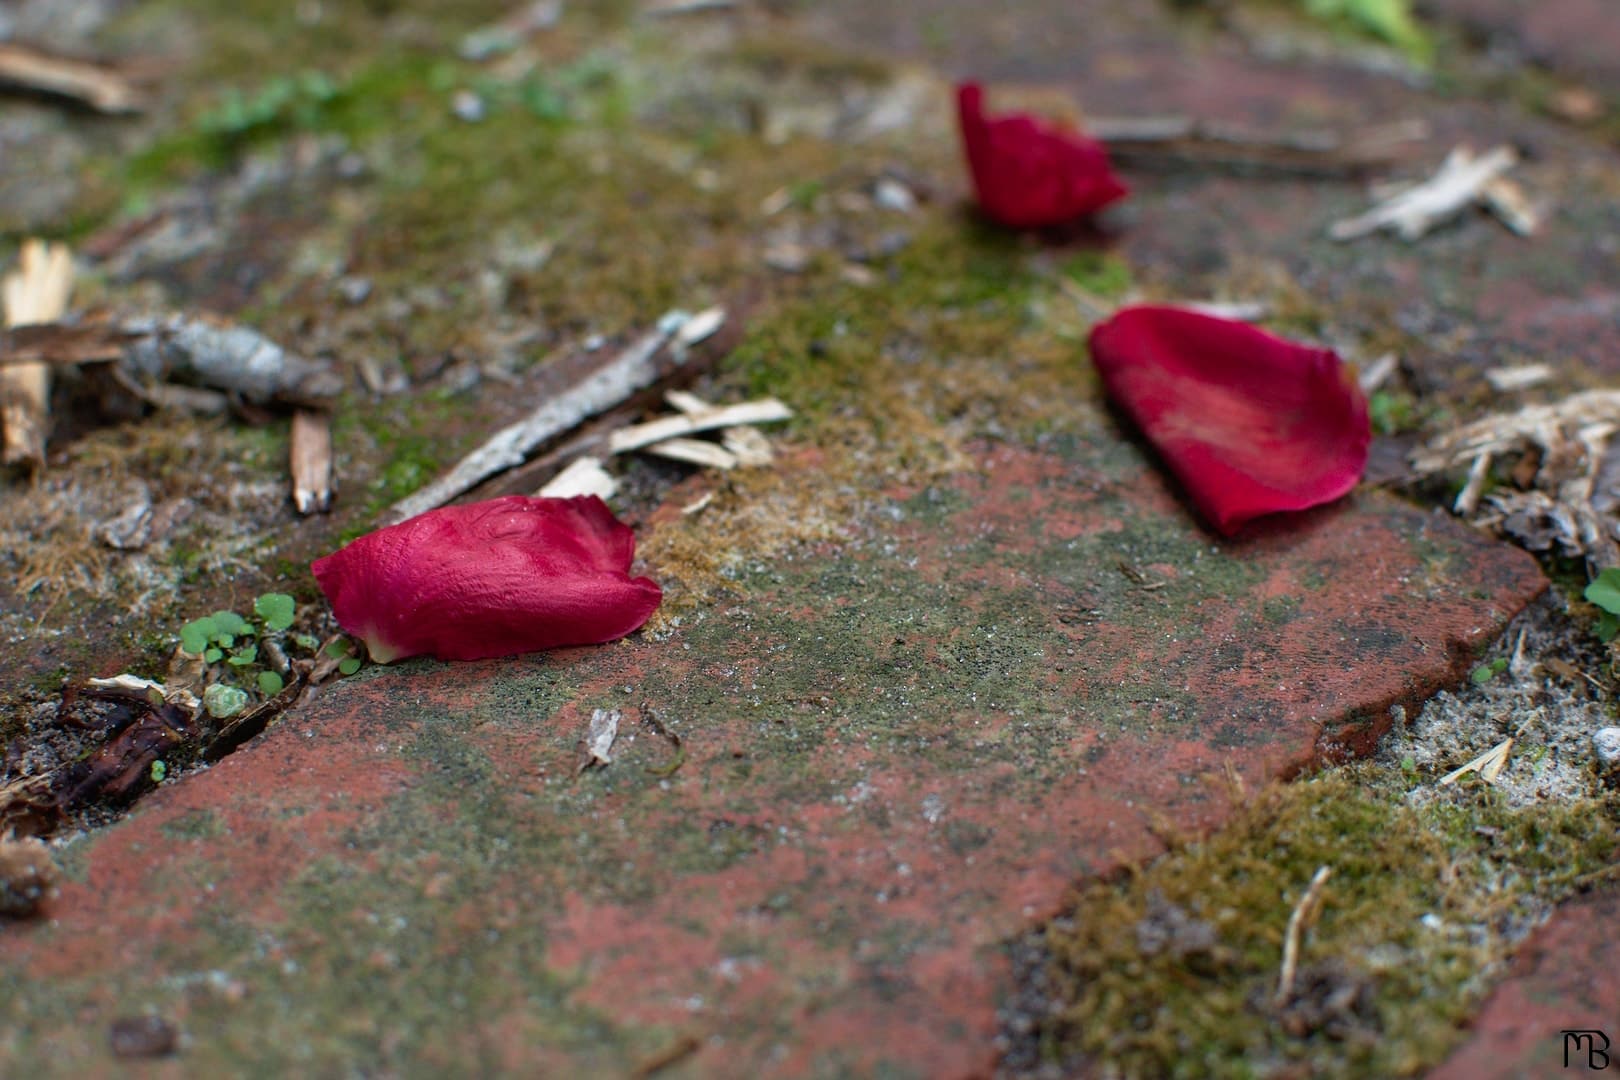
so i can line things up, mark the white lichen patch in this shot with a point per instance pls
(1550, 717)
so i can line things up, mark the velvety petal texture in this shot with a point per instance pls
(1251, 424)
(1028, 173)
(510, 575)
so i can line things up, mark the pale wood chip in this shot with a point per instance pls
(700, 327)
(750, 446)
(583, 476)
(1236, 310)
(599, 738)
(36, 292)
(98, 87)
(311, 462)
(688, 403)
(1459, 183)
(1505, 198)
(1506, 379)
(765, 410)
(1489, 765)
(1468, 498)
(695, 452)
(1377, 373)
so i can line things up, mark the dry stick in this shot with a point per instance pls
(60, 343)
(98, 87)
(1303, 913)
(633, 370)
(1196, 142)
(311, 462)
(203, 350)
(37, 292)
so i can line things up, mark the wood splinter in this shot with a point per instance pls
(1303, 915)
(36, 292)
(90, 84)
(311, 454)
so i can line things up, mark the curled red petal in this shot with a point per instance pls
(509, 575)
(1028, 173)
(1250, 424)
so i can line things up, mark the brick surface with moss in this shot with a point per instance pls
(958, 744)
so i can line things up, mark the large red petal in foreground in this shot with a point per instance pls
(509, 575)
(1027, 173)
(1251, 424)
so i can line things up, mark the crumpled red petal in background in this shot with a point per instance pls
(1028, 173)
(510, 575)
(1251, 424)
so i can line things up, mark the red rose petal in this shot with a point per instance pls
(1251, 424)
(509, 575)
(1028, 173)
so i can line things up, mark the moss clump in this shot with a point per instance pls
(1173, 971)
(1100, 274)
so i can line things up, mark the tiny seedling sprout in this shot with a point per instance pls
(1604, 591)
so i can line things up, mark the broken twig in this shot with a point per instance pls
(61, 343)
(633, 370)
(1303, 914)
(228, 357)
(1188, 140)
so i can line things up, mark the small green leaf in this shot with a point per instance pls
(229, 622)
(276, 609)
(270, 684)
(307, 641)
(212, 655)
(244, 656)
(222, 701)
(349, 666)
(1608, 625)
(159, 771)
(1481, 675)
(196, 634)
(341, 647)
(1605, 590)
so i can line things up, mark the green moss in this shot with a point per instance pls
(1101, 274)
(1393, 412)
(1209, 1011)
